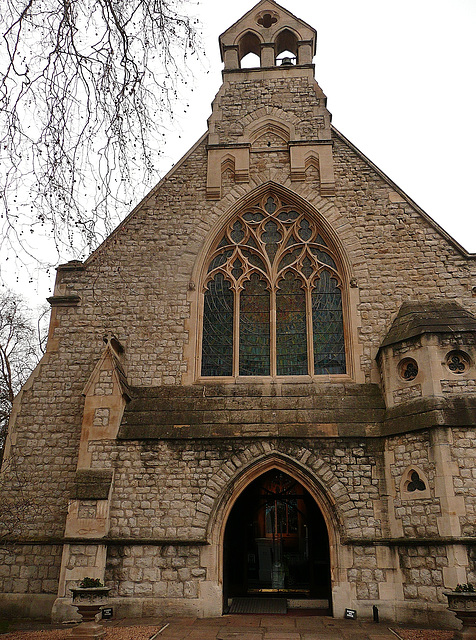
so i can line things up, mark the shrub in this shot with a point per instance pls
(88, 583)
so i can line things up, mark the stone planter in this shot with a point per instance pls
(463, 604)
(89, 601)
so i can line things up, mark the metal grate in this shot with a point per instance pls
(259, 605)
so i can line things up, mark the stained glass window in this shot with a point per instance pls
(254, 328)
(273, 265)
(217, 350)
(327, 326)
(291, 338)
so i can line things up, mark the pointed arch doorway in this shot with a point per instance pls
(276, 543)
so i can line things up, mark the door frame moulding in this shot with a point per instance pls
(226, 501)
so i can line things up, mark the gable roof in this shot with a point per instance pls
(262, 5)
(449, 238)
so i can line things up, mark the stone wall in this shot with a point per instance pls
(405, 257)
(418, 510)
(366, 574)
(472, 564)
(294, 97)
(422, 568)
(30, 568)
(168, 489)
(458, 386)
(168, 226)
(464, 455)
(38, 468)
(166, 571)
(377, 227)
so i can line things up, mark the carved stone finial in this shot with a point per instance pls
(111, 340)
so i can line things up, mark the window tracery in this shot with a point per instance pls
(414, 484)
(272, 297)
(458, 362)
(408, 369)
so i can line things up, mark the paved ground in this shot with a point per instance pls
(241, 627)
(256, 627)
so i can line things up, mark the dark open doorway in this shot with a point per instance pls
(276, 542)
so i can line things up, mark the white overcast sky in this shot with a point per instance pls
(401, 84)
(400, 78)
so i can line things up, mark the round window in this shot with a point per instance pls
(458, 362)
(408, 369)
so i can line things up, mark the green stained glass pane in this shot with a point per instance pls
(271, 237)
(291, 339)
(217, 341)
(254, 259)
(324, 257)
(237, 233)
(305, 232)
(328, 327)
(288, 216)
(270, 205)
(253, 216)
(254, 328)
(219, 260)
(289, 258)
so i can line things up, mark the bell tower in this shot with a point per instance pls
(268, 30)
(276, 106)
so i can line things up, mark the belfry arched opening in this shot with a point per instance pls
(276, 544)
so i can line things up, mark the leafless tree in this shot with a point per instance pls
(85, 88)
(21, 343)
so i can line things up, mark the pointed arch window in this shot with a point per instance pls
(272, 297)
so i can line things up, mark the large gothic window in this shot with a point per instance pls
(272, 297)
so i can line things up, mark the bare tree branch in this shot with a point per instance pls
(85, 88)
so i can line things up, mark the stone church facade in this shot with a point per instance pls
(263, 382)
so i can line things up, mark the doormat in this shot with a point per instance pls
(259, 605)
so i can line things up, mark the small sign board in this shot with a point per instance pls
(350, 614)
(107, 613)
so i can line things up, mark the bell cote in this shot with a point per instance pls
(271, 116)
(271, 32)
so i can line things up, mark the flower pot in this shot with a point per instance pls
(89, 601)
(463, 604)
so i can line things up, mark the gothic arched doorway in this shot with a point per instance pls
(276, 542)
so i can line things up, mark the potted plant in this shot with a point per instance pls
(462, 601)
(89, 597)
